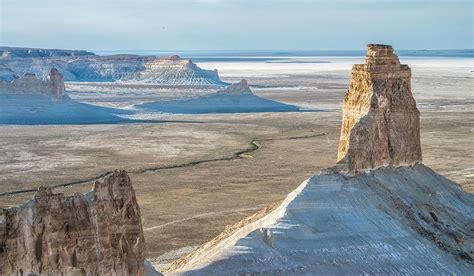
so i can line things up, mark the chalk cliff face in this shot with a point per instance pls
(52, 85)
(79, 67)
(381, 124)
(97, 233)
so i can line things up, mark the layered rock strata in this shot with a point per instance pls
(97, 233)
(381, 123)
(52, 85)
(87, 67)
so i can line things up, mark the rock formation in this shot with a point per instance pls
(237, 98)
(239, 87)
(391, 220)
(97, 233)
(381, 124)
(88, 67)
(52, 85)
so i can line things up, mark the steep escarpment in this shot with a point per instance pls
(171, 70)
(381, 123)
(97, 233)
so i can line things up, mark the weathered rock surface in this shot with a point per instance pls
(389, 221)
(97, 233)
(126, 68)
(381, 123)
(52, 85)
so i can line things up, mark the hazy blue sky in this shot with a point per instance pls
(236, 24)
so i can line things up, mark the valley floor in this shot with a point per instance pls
(192, 179)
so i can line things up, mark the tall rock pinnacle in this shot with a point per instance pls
(56, 80)
(381, 124)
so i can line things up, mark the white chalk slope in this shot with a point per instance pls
(31, 109)
(406, 220)
(237, 98)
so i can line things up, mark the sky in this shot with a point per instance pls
(236, 24)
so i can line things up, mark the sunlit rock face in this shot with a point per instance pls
(381, 123)
(97, 233)
(52, 85)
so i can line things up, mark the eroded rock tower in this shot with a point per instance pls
(381, 123)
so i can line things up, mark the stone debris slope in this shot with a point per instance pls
(406, 220)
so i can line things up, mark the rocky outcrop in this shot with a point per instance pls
(237, 98)
(97, 233)
(381, 123)
(172, 70)
(52, 85)
(240, 87)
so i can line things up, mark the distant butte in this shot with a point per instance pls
(52, 85)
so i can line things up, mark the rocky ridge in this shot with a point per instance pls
(172, 70)
(381, 123)
(97, 233)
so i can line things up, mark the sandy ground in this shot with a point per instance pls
(185, 204)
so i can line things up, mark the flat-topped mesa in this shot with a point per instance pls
(97, 233)
(52, 85)
(381, 123)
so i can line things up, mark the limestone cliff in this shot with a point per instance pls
(381, 124)
(52, 85)
(87, 67)
(97, 233)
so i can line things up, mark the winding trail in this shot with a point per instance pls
(254, 146)
(204, 215)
